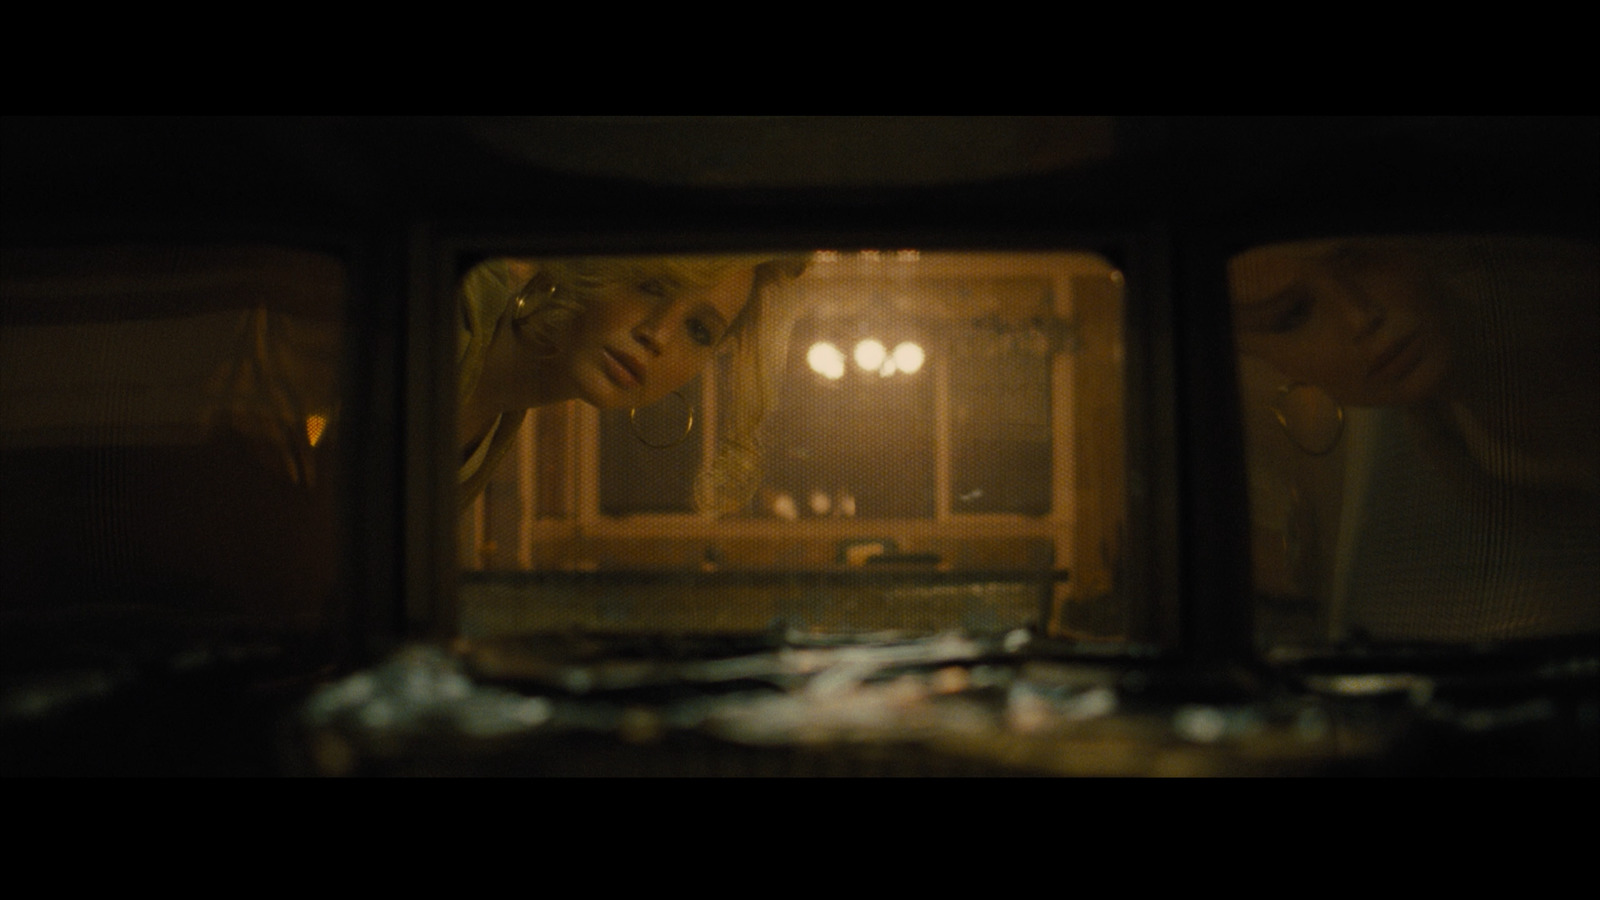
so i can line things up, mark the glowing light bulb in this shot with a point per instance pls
(908, 357)
(783, 506)
(826, 360)
(870, 354)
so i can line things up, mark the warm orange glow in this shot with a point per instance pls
(316, 423)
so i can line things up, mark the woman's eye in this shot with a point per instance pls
(655, 288)
(1291, 316)
(701, 333)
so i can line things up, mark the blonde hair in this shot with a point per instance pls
(755, 344)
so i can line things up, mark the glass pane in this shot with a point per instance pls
(943, 448)
(1424, 438)
(1001, 410)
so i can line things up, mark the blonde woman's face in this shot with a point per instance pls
(1362, 326)
(636, 342)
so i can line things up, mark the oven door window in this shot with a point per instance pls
(947, 422)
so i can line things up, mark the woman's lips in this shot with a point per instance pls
(622, 368)
(1396, 359)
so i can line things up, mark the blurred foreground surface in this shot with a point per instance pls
(949, 705)
(767, 705)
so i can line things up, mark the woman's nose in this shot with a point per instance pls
(648, 337)
(651, 331)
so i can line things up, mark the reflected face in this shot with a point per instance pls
(1358, 322)
(637, 342)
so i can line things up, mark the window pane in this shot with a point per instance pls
(944, 449)
(1001, 411)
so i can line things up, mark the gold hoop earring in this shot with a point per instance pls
(536, 293)
(1312, 420)
(688, 425)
